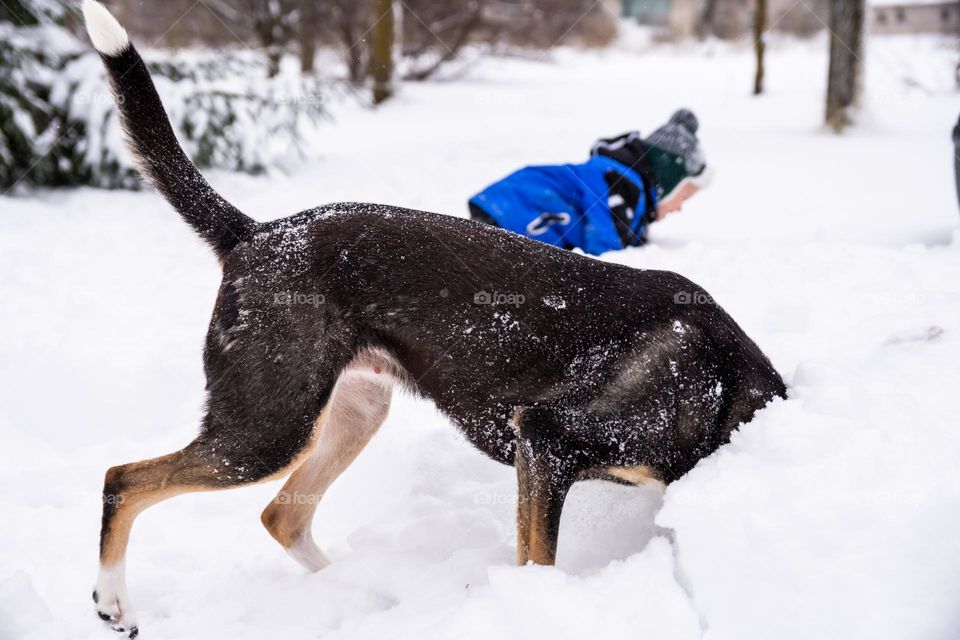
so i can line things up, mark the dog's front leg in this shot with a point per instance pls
(544, 477)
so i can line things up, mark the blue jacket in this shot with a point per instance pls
(599, 205)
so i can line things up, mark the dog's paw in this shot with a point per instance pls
(112, 603)
(111, 611)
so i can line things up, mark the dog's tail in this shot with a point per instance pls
(150, 137)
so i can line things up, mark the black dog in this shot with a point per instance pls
(562, 365)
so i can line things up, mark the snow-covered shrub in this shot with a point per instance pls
(58, 125)
(224, 109)
(30, 42)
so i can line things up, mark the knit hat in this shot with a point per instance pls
(675, 155)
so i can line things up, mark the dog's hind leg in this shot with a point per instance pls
(129, 489)
(218, 459)
(358, 407)
(545, 474)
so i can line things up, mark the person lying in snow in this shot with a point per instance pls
(607, 202)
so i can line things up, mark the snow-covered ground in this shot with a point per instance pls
(834, 514)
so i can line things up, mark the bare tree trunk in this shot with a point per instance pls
(356, 68)
(351, 22)
(269, 25)
(956, 157)
(381, 51)
(759, 24)
(707, 18)
(398, 30)
(844, 80)
(307, 33)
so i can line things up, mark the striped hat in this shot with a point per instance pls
(675, 155)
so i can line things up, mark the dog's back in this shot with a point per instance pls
(483, 321)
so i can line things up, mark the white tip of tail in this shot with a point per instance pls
(108, 37)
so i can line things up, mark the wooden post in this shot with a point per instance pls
(381, 51)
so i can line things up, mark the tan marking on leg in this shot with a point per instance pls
(634, 475)
(539, 547)
(132, 488)
(141, 485)
(523, 510)
(145, 483)
(540, 496)
(358, 407)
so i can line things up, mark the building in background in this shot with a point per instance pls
(651, 12)
(914, 16)
(727, 19)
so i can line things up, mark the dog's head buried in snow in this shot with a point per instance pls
(562, 365)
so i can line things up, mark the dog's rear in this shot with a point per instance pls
(262, 421)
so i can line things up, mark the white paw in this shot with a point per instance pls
(113, 603)
(306, 552)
